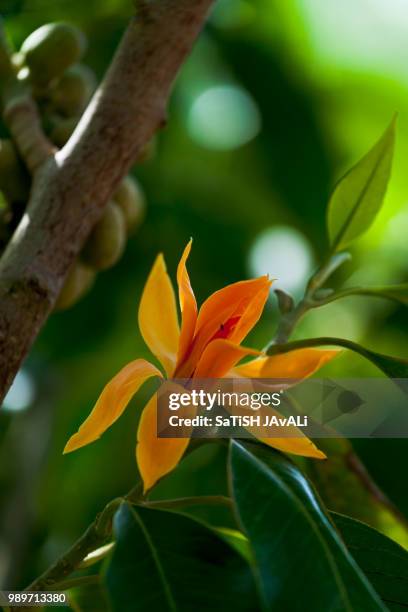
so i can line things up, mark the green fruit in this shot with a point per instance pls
(51, 49)
(14, 178)
(63, 130)
(77, 283)
(131, 200)
(73, 91)
(148, 151)
(107, 240)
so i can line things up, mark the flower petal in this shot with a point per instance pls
(294, 442)
(297, 364)
(219, 357)
(156, 456)
(252, 313)
(188, 305)
(158, 321)
(296, 446)
(112, 402)
(229, 313)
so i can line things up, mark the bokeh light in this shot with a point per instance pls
(285, 254)
(223, 117)
(21, 393)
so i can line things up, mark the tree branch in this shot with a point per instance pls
(71, 188)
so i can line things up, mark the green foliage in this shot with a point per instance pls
(384, 562)
(224, 210)
(167, 561)
(359, 499)
(359, 195)
(273, 499)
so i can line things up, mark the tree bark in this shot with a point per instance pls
(71, 187)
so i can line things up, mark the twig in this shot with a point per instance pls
(95, 536)
(182, 502)
(289, 321)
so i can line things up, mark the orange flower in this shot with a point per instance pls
(206, 346)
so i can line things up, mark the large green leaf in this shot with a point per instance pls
(383, 561)
(347, 488)
(391, 366)
(358, 196)
(300, 560)
(168, 561)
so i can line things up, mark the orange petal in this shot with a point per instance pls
(112, 402)
(229, 313)
(252, 313)
(158, 316)
(295, 441)
(188, 304)
(219, 357)
(296, 446)
(297, 364)
(156, 456)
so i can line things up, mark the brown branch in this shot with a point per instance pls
(71, 188)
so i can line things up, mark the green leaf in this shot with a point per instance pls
(237, 540)
(299, 557)
(391, 366)
(359, 195)
(384, 562)
(168, 561)
(347, 488)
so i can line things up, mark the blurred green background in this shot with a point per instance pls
(277, 100)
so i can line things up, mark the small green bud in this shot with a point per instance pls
(322, 294)
(285, 301)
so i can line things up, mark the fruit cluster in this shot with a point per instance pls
(48, 62)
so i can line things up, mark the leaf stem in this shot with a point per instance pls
(95, 536)
(181, 502)
(289, 321)
(385, 292)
